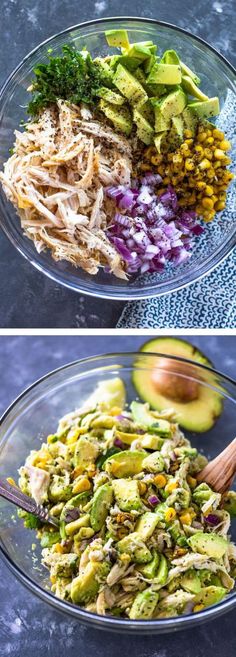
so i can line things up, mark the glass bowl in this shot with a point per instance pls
(218, 78)
(34, 415)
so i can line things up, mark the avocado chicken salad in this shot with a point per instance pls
(119, 165)
(137, 536)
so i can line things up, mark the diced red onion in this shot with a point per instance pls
(153, 500)
(119, 443)
(212, 519)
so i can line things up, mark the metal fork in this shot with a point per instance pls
(14, 494)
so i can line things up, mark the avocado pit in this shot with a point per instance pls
(178, 385)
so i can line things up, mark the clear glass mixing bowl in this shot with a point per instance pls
(35, 414)
(218, 78)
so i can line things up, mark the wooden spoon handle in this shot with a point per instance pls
(220, 472)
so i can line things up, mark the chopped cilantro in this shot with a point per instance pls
(73, 76)
(30, 521)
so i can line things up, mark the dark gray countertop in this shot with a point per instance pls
(27, 625)
(29, 299)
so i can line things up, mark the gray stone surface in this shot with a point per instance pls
(28, 299)
(30, 627)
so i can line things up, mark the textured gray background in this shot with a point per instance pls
(28, 299)
(28, 626)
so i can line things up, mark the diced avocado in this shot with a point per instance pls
(86, 452)
(129, 86)
(148, 64)
(206, 108)
(176, 134)
(117, 38)
(120, 117)
(146, 525)
(170, 57)
(187, 71)
(191, 88)
(156, 91)
(145, 131)
(190, 581)
(162, 573)
(161, 123)
(149, 570)
(138, 50)
(101, 503)
(165, 74)
(85, 587)
(210, 544)
(173, 104)
(124, 464)
(127, 438)
(110, 96)
(105, 71)
(147, 111)
(151, 441)
(196, 406)
(133, 545)
(210, 595)
(144, 604)
(127, 496)
(131, 63)
(190, 120)
(73, 527)
(49, 538)
(77, 500)
(84, 532)
(160, 139)
(229, 502)
(145, 419)
(59, 489)
(154, 462)
(108, 393)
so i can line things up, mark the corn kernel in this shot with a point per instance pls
(172, 485)
(188, 134)
(209, 190)
(204, 164)
(170, 514)
(202, 136)
(53, 579)
(220, 205)
(160, 480)
(11, 481)
(225, 145)
(51, 438)
(198, 607)
(125, 556)
(72, 438)
(219, 154)
(189, 142)
(199, 149)
(189, 164)
(166, 180)
(58, 548)
(155, 160)
(186, 519)
(210, 140)
(149, 151)
(218, 134)
(209, 216)
(116, 410)
(179, 552)
(81, 485)
(122, 532)
(200, 185)
(142, 487)
(42, 464)
(192, 482)
(207, 203)
(208, 153)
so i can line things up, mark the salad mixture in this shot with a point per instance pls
(120, 161)
(137, 536)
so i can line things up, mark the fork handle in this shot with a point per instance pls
(14, 494)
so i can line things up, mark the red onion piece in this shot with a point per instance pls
(154, 500)
(212, 519)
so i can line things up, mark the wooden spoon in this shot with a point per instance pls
(220, 472)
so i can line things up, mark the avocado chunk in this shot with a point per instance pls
(147, 111)
(160, 139)
(191, 88)
(59, 489)
(86, 452)
(210, 595)
(173, 104)
(139, 50)
(151, 442)
(165, 74)
(210, 544)
(229, 502)
(144, 604)
(187, 71)
(125, 463)
(101, 503)
(131, 63)
(77, 500)
(73, 527)
(120, 117)
(149, 570)
(117, 38)
(190, 581)
(127, 494)
(129, 86)
(133, 545)
(108, 393)
(206, 108)
(170, 57)
(146, 420)
(176, 134)
(190, 120)
(154, 462)
(145, 131)
(162, 573)
(146, 525)
(110, 96)
(84, 588)
(201, 411)
(161, 123)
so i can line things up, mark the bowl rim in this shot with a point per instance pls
(220, 253)
(111, 623)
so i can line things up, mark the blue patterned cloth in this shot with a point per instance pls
(210, 302)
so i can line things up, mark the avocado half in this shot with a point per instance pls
(197, 406)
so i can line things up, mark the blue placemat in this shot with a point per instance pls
(210, 302)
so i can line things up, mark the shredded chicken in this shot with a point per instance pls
(55, 179)
(38, 482)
